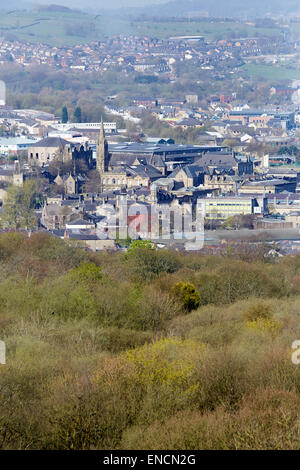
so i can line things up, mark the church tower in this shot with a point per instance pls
(102, 151)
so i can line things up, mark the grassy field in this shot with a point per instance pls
(210, 30)
(69, 28)
(270, 72)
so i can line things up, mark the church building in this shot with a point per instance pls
(122, 175)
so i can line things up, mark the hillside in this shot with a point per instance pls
(220, 8)
(70, 27)
(214, 8)
(146, 350)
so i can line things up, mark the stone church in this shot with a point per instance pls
(43, 152)
(137, 174)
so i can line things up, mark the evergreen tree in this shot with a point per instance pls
(64, 115)
(78, 114)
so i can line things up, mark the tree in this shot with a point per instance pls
(78, 114)
(229, 143)
(147, 263)
(86, 272)
(238, 221)
(288, 150)
(64, 115)
(18, 206)
(137, 244)
(93, 182)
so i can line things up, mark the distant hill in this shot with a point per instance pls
(219, 8)
(53, 8)
(179, 8)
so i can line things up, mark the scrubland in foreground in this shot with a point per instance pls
(147, 350)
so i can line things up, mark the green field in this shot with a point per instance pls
(55, 28)
(69, 28)
(270, 72)
(210, 30)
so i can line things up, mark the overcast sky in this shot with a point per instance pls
(94, 3)
(213, 7)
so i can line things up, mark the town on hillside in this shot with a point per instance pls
(227, 141)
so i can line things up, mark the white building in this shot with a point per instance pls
(109, 127)
(14, 145)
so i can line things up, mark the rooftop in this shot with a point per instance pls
(52, 142)
(138, 148)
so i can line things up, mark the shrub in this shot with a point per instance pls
(187, 295)
(67, 299)
(49, 248)
(265, 325)
(86, 272)
(104, 353)
(136, 244)
(166, 361)
(267, 419)
(156, 308)
(145, 264)
(258, 311)
(120, 339)
(240, 280)
(10, 243)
